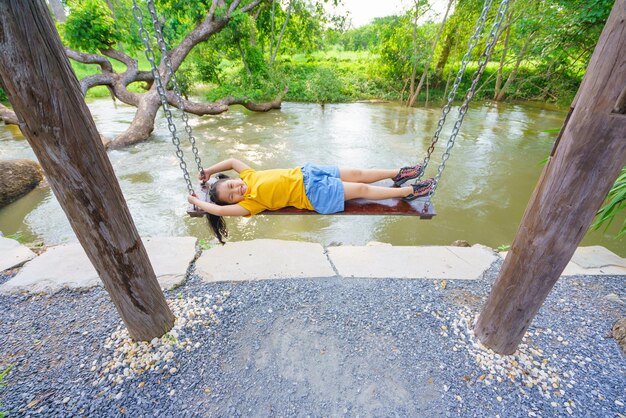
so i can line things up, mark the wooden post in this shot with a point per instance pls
(53, 116)
(572, 187)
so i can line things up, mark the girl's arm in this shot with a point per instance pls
(213, 209)
(230, 164)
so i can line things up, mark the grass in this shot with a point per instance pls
(2, 384)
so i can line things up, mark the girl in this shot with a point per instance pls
(323, 189)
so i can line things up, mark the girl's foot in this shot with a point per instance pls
(407, 173)
(423, 188)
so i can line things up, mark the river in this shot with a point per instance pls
(484, 189)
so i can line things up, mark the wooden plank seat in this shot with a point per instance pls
(421, 207)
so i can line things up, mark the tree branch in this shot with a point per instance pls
(251, 6)
(201, 33)
(104, 63)
(233, 6)
(130, 63)
(95, 80)
(221, 106)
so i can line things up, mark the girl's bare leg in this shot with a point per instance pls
(367, 191)
(355, 175)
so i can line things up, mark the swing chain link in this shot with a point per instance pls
(469, 95)
(149, 52)
(172, 77)
(480, 23)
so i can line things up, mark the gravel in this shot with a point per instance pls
(324, 347)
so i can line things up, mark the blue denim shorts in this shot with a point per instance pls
(323, 187)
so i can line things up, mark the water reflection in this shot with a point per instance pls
(484, 190)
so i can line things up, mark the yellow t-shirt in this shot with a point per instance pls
(274, 189)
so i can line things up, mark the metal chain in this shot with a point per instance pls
(165, 56)
(145, 37)
(480, 23)
(469, 95)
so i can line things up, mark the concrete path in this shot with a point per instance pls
(382, 261)
(263, 259)
(67, 266)
(276, 259)
(593, 261)
(13, 254)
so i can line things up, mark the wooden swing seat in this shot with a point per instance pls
(421, 207)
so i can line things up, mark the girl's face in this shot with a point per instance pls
(231, 191)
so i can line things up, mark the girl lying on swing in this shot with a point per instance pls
(322, 189)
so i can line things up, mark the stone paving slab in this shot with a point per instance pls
(263, 259)
(67, 266)
(428, 262)
(593, 261)
(596, 257)
(13, 254)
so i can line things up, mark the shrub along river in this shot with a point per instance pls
(481, 198)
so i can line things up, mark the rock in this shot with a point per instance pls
(461, 243)
(614, 298)
(8, 115)
(619, 333)
(13, 254)
(17, 177)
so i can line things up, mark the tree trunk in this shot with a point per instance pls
(591, 152)
(445, 52)
(143, 123)
(430, 57)
(58, 10)
(513, 74)
(243, 59)
(505, 49)
(272, 28)
(58, 126)
(280, 35)
(414, 66)
(456, 45)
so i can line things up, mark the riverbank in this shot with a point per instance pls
(335, 345)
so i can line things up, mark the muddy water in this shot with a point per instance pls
(485, 186)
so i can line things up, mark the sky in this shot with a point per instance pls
(363, 11)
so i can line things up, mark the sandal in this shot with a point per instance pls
(421, 189)
(407, 173)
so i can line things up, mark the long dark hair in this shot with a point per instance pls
(217, 223)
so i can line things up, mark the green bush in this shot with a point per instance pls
(90, 27)
(318, 77)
